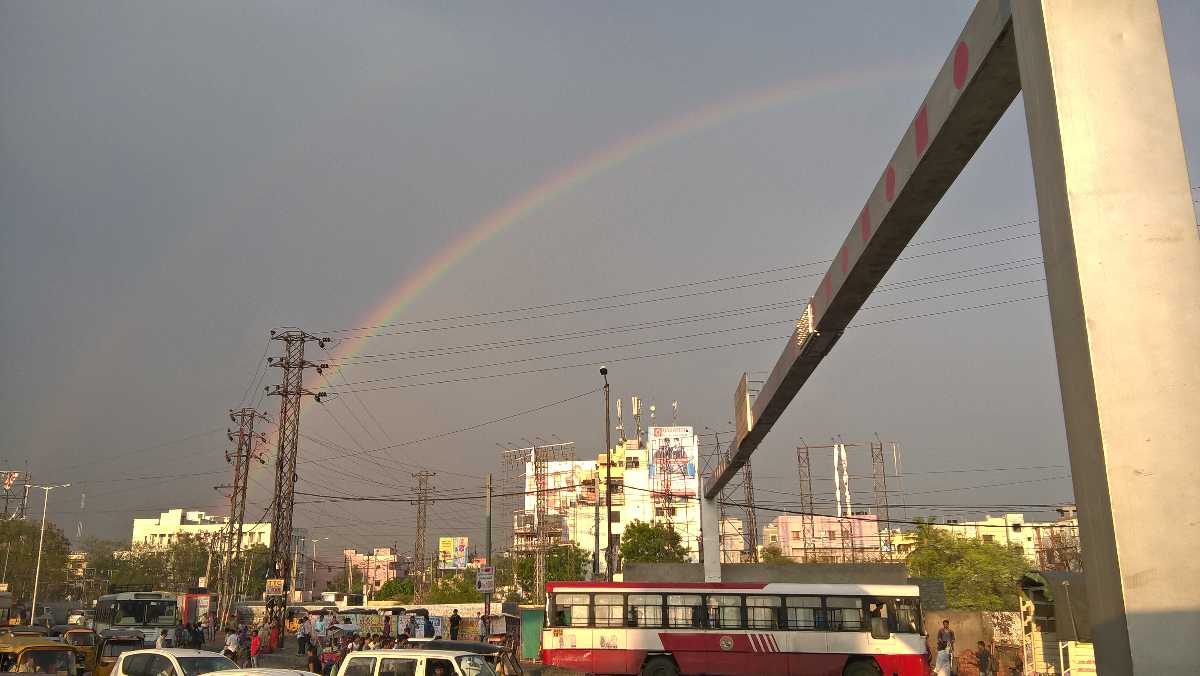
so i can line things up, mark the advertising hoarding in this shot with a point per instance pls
(673, 455)
(452, 553)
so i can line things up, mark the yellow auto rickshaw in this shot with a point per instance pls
(37, 655)
(110, 645)
(83, 639)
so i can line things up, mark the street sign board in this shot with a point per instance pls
(485, 579)
(274, 586)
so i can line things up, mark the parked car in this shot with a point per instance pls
(415, 663)
(37, 654)
(170, 662)
(267, 672)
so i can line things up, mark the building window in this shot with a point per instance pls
(632, 463)
(795, 535)
(616, 516)
(989, 538)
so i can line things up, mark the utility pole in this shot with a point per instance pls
(37, 572)
(487, 544)
(422, 503)
(611, 558)
(290, 392)
(245, 438)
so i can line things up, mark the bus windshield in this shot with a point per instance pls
(133, 613)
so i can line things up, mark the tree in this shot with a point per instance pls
(19, 556)
(978, 575)
(396, 589)
(774, 555)
(564, 563)
(653, 542)
(453, 588)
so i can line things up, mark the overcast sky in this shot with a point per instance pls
(176, 179)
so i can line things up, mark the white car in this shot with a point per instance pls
(415, 663)
(170, 662)
(254, 671)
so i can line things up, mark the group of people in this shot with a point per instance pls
(245, 644)
(184, 636)
(943, 660)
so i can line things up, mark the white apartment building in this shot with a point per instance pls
(172, 524)
(641, 480)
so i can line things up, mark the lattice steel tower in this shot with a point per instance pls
(422, 503)
(808, 531)
(290, 392)
(245, 438)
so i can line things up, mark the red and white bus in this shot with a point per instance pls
(735, 629)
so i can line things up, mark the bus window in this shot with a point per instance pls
(571, 610)
(907, 614)
(645, 610)
(684, 610)
(609, 610)
(725, 611)
(845, 613)
(804, 613)
(762, 612)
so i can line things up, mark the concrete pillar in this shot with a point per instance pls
(710, 536)
(1123, 271)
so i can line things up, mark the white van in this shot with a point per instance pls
(415, 663)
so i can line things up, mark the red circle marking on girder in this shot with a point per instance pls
(960, 65)
(864, 222)
(889, 183)
(921, 129)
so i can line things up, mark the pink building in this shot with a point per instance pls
(376, 567)
(833, 539)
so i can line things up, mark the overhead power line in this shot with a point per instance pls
(671, 287)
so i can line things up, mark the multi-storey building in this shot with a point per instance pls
(833, 539)
(654, 483)
(1050, 545)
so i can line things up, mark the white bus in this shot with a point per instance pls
(145, 611)
(736, 629)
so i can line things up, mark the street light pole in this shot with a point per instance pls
(312, 584)
(37, 571)
(610, 559)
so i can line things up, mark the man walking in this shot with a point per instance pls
(984, 658)
(455, 620)
(302, 637)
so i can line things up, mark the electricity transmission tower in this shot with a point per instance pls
(240, 458)
(422, 503)
(290, 393)
(808, 531)
(879, 486)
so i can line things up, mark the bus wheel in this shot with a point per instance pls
(861, 668)
(660, 666)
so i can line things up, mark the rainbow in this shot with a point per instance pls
(603, 160)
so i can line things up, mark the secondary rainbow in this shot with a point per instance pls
(558, 184)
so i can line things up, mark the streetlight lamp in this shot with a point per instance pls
(37, 571)
(611, 554)
(312, 584)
